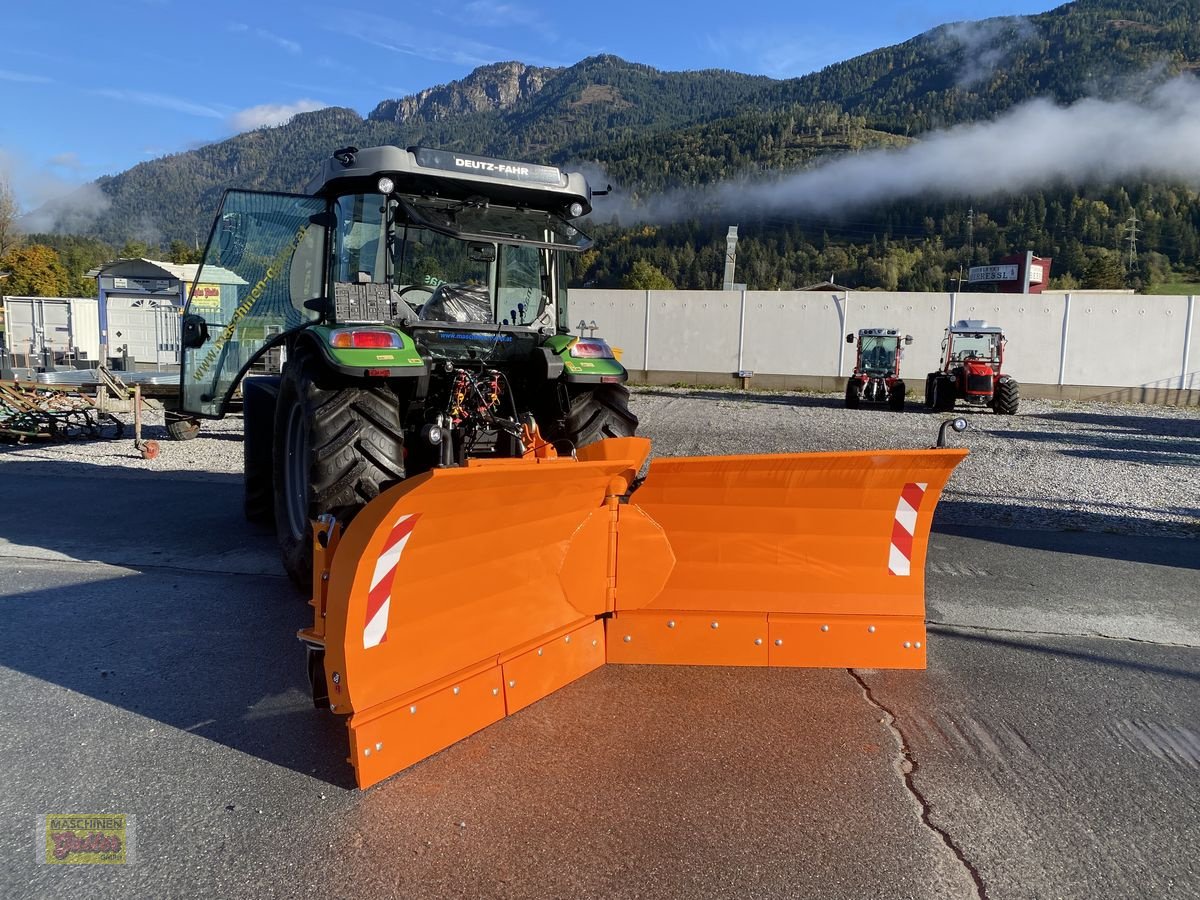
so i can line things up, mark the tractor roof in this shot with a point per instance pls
(974, 326)
(451, 175)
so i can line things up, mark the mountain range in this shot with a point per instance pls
(649, 131)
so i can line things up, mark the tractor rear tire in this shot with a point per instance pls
(896, 397)
(1007, 398)
(930, 380)
(853, 393)
(599, 413)
(336, 448)
(259, 397)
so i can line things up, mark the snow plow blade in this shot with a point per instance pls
(465, 594)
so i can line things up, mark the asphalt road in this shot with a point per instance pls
(1052, 749)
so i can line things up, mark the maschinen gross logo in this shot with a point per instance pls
(85, 839)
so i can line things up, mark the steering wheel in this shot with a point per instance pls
(414, 287)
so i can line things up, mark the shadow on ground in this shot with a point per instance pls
(196, 628)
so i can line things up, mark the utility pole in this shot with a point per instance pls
(1131, 233)
(971, 231)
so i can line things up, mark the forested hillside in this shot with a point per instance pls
(650, 131)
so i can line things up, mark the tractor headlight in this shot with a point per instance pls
(575, 209)
(386, 185)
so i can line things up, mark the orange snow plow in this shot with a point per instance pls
(465, 594)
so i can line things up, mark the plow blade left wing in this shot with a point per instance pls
(462, 595)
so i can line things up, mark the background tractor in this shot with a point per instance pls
(419, 297)
(876, 376)
(972, 359)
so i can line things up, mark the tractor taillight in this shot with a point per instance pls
(591, 349)
(364, 339)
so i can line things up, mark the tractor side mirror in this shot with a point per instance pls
(481, 253)
(908, 339)
(849, 339)
(193, 331)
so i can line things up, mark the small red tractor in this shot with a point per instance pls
(876, 376)
(972, 357)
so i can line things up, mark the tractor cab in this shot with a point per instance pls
(973, 340)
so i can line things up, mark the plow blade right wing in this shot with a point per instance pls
(812, 559)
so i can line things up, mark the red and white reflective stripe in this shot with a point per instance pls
(379, 599)
(900, 557)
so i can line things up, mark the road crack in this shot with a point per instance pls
(907, 767)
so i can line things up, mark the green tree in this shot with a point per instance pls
(1104, 272)
(134, 250)
(644, 276)
(180, 253)
(36, 272)
(9, 211)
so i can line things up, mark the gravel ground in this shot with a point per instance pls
(1117, 468)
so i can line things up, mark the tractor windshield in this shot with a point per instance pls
(499, 274)
(977, 345)
(879, 354)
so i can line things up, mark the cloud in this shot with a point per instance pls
(269, 36)
(69, 160)
(268, 115)
(484, 14)
(58, 204)
(409, 40)
(24, 77)
(1035, 145)
(986, 46)
(161, 101)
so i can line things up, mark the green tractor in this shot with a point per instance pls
(419, 298)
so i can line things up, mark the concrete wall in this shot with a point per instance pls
(1081, 345)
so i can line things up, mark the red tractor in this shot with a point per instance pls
(876, 375)
(972, 357)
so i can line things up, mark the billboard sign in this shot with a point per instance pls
(992, 273)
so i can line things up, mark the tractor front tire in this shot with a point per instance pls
(1007, 398)
(259, 397)
(181, 426)
(944, 391)
(337, 446)
(853, 393)
(599, 413)
(896, 397)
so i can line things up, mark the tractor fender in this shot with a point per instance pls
(401, 361)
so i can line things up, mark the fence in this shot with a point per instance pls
(1078, 345)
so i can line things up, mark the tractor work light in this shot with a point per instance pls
(365, 339)
(575, 209)
(591, 349)
(386, 185)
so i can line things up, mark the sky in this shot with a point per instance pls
(90, 89)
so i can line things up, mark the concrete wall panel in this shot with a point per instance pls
(1126, 340)
(1113, 340)
(620, 317)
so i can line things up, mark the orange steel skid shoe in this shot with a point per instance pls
(465, 594)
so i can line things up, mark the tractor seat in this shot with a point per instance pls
(466, 303)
